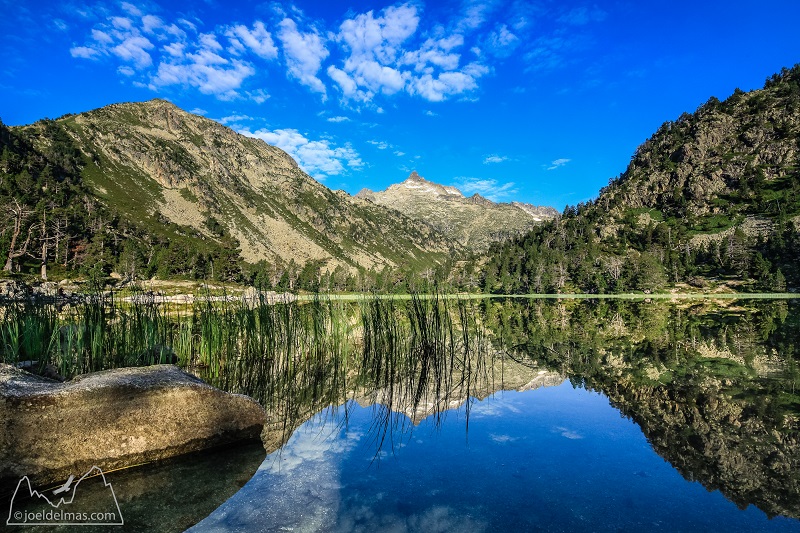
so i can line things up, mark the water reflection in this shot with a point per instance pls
(406, 360)
(385, 414)
(714, 387)
(553, 459)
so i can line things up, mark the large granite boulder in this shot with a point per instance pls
(113, 419)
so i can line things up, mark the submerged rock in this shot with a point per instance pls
(113, 419)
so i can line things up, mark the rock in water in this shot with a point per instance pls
(113, 419)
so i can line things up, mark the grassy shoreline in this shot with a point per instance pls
(357, 297)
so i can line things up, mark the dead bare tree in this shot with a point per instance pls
(16, 214)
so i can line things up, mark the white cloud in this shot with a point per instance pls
(234, 118)
(202, 61)
(383, 52)
(84, 52)
(257, 40)
(398, 153)
(475, 14)
(436, 89)
(258, 96)
(122, 23)
(161, 31)
(198, 111)
(101, 37)
(208, 41)
(488, 188)
(205, 70)
(346, 83)
(380, 62)
(120, 38)
(338, 119)
(380, 145)
(150, 23)
(175, 49)
(188, 25)
(494, 159)
(380, 38)
(558, 163)
(131, 9)
(134, 49)
(304, 53)
(502, 42)
(378, 78)
(436, 52)
(431, 113)
(318, 158)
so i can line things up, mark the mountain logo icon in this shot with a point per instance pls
(89, 501)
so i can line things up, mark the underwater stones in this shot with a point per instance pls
(113, 419)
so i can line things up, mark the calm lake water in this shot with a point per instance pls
(488, 415)
(594, 416)
(554, 459)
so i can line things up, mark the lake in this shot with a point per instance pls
(498, 415)
(554, 459)
(604, 416)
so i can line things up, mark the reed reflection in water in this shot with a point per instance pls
(713, 386)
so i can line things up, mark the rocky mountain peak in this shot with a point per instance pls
(474, 222)
(480, 200)
(416, 184)
(215, 184)
(415, 177)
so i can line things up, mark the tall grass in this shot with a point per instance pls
(419, 358)
(97, 334)
(412, 356)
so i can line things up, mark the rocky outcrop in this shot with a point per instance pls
(718, 159)
(18, 291)
(113, 419)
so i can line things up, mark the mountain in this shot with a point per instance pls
(473, 221)
(713, 197)
(158, 184)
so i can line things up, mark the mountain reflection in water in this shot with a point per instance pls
(714, 386)
(402, 403)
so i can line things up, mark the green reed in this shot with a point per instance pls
(294, 357)
(97, 334)
(418, 357)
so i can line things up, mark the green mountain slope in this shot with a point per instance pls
(188, 191)
(713, 196)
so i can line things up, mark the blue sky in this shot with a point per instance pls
(535, 101)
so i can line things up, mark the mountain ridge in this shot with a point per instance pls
(473, 221)
(169, 193)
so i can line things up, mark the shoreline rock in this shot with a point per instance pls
(113, 419)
